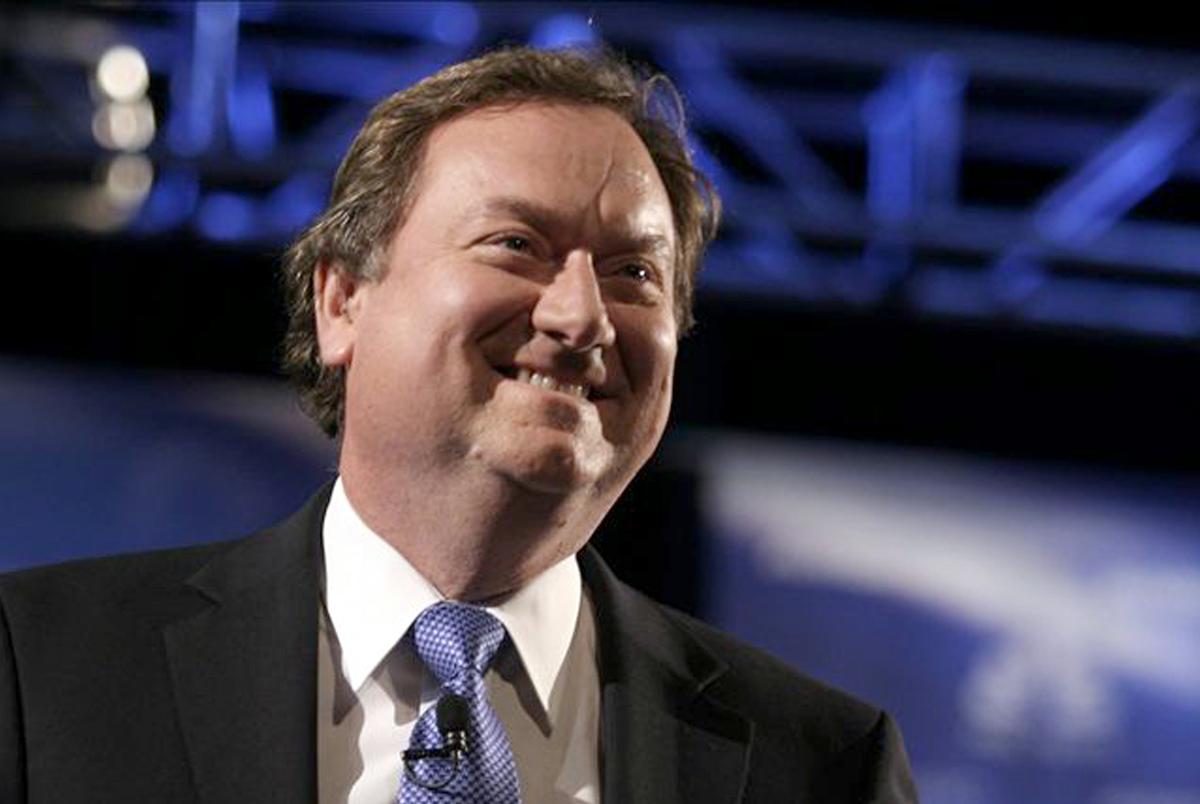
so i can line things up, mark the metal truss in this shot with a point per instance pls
(873, 165)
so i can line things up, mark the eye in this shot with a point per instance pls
(633, 280)
(637, 272)
(515, 243)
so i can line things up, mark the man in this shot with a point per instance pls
(486, 316)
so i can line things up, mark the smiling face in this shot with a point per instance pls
(524, 327)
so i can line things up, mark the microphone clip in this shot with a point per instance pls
(452, 714)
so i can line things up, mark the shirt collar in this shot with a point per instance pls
(373, 595)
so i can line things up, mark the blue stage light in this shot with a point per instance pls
(171, 202)
(227, 217)
(197, 88)
(454, 23)
(251, 107)
(1120, 176)
(294, 203)
(563, 30)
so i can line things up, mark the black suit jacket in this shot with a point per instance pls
(190, 676)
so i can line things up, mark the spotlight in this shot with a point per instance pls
(124, 126)
(128, 179)
(122, 74)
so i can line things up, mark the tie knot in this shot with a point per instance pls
(453, 637)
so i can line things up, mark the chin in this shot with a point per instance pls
(556, 474)
(559, 469)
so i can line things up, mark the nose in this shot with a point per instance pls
(571, 308)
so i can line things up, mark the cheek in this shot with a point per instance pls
(651, 364)
(649, 354)
(476, 300)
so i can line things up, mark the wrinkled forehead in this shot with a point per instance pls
(578, 159)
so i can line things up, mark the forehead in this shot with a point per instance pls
(585, 162)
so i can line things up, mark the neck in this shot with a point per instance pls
(476, 540)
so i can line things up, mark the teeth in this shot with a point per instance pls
(542, 381)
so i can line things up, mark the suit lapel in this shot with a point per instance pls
(663, 739)
(244, 674)
(244, 668)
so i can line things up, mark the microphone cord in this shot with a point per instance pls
(453, 715)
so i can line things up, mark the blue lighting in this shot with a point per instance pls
(1120, 176)
(365, 77)
(252, 110)
(227, 217)
(444, 23)
(730, 106)
(1016, 278)
(1097, 304)
(938, 82)
(454, 23)
(769, 257)
(170, 203)
(884, 262)
(951, 291)
(294, 203)
(563, 30)
(196, 89)
(838, 146)
(914, 131)
(708, 164)
(890, 177)
(756, 265)
(262, 10)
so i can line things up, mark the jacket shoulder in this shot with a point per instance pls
(147, 582)
(101, 584)
(852, 750)
(776, 695)
(780, 700)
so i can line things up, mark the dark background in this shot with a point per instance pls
(131, 357)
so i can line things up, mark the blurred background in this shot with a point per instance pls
(935, 435)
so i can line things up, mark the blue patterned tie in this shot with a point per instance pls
(457, 643)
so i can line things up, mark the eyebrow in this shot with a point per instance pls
(539, 215)
(547, 219)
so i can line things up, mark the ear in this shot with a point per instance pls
(338, 298)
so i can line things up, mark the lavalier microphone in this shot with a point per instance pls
(453, 714)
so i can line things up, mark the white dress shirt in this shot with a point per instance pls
(371, 687)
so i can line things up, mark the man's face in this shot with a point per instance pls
(524, 327)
